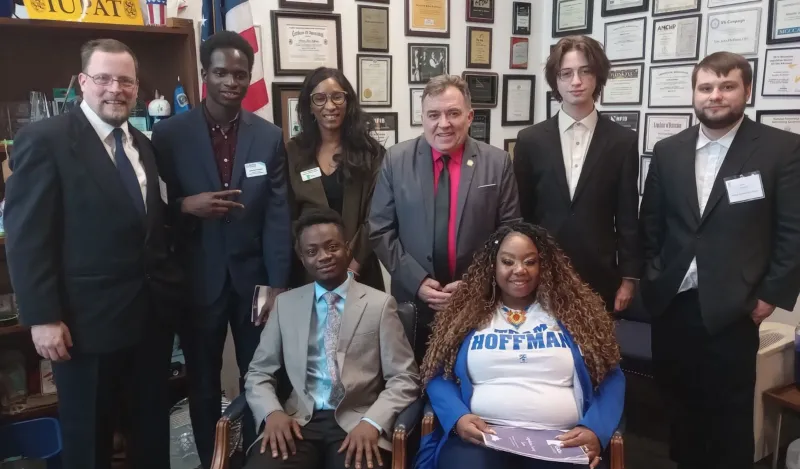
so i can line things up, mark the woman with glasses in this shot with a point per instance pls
(333, 162)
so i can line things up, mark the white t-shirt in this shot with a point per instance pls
(523, 377)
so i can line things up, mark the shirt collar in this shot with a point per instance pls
(565, 121)
(100, 126)
(210, 120)
(725, 141)
(341, 290)
(456, 155)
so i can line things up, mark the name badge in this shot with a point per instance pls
(255, 169)
(744, 188)
(309, 174)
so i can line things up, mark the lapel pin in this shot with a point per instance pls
(470, 162)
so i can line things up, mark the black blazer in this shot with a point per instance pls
(597, 228)
(78, 250)
(745, 251)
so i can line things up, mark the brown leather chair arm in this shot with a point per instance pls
(617, 450)
(428, 419)
(222, 436)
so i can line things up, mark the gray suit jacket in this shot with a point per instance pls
(376, 364)
(401, 215)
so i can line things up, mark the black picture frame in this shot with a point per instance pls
(604, 11)
(279, 111)
(481, 117)
(480, 15)
(301, 5)
(643, 170)
(643, 20)
(676, 12)
(638, 102)
(359, 57)
(570, 32)
(412, 33)
(419, 72)
(276, 50)
(631, 122)
(648, 115)
(477, 83)
(470, 30)
(508, 146)
(767, 54)
(548, 96)
(771, 27)
(412, 92)
(521, 8)
(361, 46)
(681, 59)
(504, 118)
(386, 117)
(690, 104)
(774, 112)
(751, 101)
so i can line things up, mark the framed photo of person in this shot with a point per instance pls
(426, 61)
(623, 7)
(572, 17)
(481, 125)
(627, 119)
(781, 73)
(483, 88)
(386, 127)
(518, 99)
(374, 80)
(783, 24)
(670, 86)
(285, 115)
(751, 101)
(416, 106)
(373, 29)
(480, 11)
(660, 126)
(624, 85)
(734, 31)
(479, 47)
(671, 7)
(325, 5)
(788, 120)
(518, 56)
(521, 20)
(644, 167)
(624, 40)
(427, 18)
(304, 41)
(508, 146)
(553, 106)
(676, 39)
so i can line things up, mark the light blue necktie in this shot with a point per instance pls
(126, 172)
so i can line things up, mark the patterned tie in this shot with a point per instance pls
(126, 172)
(333, 322)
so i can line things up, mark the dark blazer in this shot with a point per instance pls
(251, 245)
(745, 251)
(598, 227)
(401, 216)
(310, 194)
(78, 250)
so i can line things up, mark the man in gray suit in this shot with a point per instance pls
(437, 199)
(349, 363)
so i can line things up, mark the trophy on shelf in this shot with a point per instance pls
(158, 108)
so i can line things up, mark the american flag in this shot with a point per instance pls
(156, 12)
(235, 15)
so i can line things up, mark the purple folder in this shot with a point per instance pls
(537, 444)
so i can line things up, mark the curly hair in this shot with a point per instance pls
(560, 292)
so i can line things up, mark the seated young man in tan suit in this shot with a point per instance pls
(349, 363)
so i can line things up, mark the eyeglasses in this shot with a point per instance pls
(103, 79)
(567, 73)
(337, 97)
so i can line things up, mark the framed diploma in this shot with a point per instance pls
(302, 42)
(426, 61)
(623, 7)
(644, 167)
(751, 101)
(660, 126)
(518, 93)
(374, 80)
(784, 21)
(385, 130)
(572, 17)
(624, 85)
(727, 3)
(284, 108)
(427, 18)
(508, 146)
(733, 31)
(781, 73)
(416, 106)
(676, 39)
(518, 56)
(670, 7)
(521, 21)
(480, 11)
(482, 87)
(670, 86)
(481, 125)
(624, 40)
(326, 5)
(788, 120)
(373, 29)
(553, 106)
(627, 119)
(479, 47)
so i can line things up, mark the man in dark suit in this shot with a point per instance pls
(577, 174)
(91, 266)
(721, 223)
(225, 171)
(426, 236)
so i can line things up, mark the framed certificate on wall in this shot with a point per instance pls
(374, 80)
(304, 41)
(427, 18)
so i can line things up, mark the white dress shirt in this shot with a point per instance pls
(575, 139)
(104, 130)
(709, 155)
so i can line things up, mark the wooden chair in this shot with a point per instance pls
(226, 441)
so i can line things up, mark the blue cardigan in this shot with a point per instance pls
(601, 408)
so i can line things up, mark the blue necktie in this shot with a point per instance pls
(126, 172)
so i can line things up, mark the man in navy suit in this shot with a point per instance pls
(225, 173)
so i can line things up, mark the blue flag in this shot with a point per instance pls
(181, 102)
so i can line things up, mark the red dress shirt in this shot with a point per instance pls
(454, 168)
(223, 142)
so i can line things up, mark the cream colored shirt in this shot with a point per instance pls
(575, 139)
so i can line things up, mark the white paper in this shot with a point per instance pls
(305, 44)
(309, 174)
(744, 188)
(612, 5)
(782, 72)
(675, 39)
(787, 19)
(258, 168)
(659, 127)
(734, 31)
(416, 107)
(624, 85)
(162, 189)
(668, 6)
(787, 122)
(625, 40)
(571, 14)
(671, 86)
(374, 80)
(518, 104)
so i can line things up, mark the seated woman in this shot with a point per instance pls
(525, 343)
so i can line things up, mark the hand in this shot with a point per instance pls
(431, 293)
(210, 204)
(363, 442)
(582, 436)
(278, 433)
(471, 428)
(268, 305)
(451, 287)
(354, 267)
(763, 311)
(52, 340)
(624, 295)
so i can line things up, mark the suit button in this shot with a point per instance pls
(148, 277)
(430, 259)
(227, 220)
(305, 391)
(698, 236)
(306, 418)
